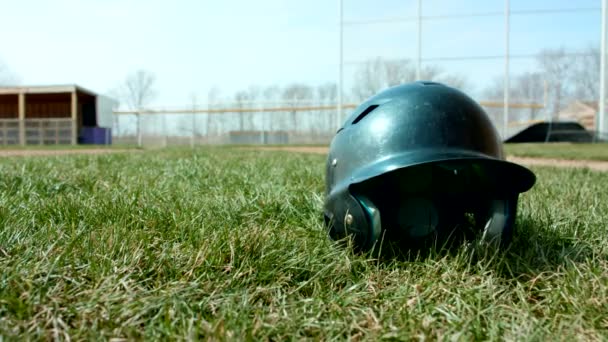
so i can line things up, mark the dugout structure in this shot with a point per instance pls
(54, 115)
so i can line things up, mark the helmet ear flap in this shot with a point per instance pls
(357, 217)
(372, 215)
(500, 219)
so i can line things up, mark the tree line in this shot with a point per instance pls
(558, 78)
(7, 76)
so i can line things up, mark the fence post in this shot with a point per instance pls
(340, 63)
(193, 136)
(507, 86)
(74, 117)
(601, 117)
(207, 122)
(263, 130)
(21, 118)
(165, 131)
(139, 136)
(116, 128)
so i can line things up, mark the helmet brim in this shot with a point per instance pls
(505, 176)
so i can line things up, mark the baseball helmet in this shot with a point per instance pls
(418, 162)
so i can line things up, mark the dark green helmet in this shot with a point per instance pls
(418, 161)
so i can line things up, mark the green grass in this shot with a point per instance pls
(229, 244)
(560, 151)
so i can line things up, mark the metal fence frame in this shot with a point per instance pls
(307, 128)
(508, 123)
(506, 14)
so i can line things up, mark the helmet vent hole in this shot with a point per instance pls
(429, 83)
(364, 113)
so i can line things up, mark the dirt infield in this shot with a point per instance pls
(28, 153)
(591, 164)
(596, 165)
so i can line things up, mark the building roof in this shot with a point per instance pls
(583, 112)
(578, 109)
(45, 89)
(591, 104)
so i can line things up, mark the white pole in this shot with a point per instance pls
(117, 121)
(601, 120)
(139, 136)
(505, 122)
(545, 94)
(419, 59)
(165, 131)
(193, 135)
(262, 117)
(340, 62)
(207, 119)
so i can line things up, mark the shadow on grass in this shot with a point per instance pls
(533, 250)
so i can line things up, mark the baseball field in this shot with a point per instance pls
(226, 243)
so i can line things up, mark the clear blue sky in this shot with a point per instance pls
(192, 45)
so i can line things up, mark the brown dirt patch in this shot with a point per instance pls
(28, 153)
(301, 149)
(591, 164)
(597, 165)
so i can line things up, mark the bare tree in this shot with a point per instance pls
(529, 88)
(398, 72)
(556, 67)
(271, 94)
(241, 98)
(567, 76)
(7, 77)
(585, 77)
(327, 93)
(452, 80)
(494, 90)
(254, 94)
(213, 96)
(297, 92)
(245, 99)
(188, 123)
(369, 79)
(377, 74)
(294, 93)
(138, 90)
(525, 88)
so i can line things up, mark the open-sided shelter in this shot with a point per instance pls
(63, 114)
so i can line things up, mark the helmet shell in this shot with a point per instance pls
(408, 125)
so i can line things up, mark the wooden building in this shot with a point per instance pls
(583, 112)
(67, 114)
